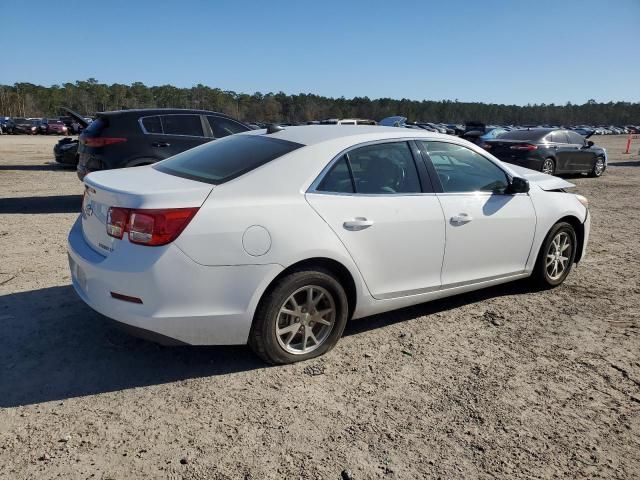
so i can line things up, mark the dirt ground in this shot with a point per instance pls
(503, 383)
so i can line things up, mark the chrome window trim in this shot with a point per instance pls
(313, 188)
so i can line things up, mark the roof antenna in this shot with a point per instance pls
(274, 128)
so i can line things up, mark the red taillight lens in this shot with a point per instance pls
(525, 146)
(117, 221)
(97, 142)
(149, 227)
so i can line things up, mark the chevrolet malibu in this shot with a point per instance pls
(277, 239)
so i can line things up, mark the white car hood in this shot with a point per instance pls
(544, 181)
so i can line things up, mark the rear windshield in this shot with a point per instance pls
(523, 135)
(222, 160)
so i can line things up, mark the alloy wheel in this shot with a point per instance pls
(548, 167)
(305, 320)
(558, 255)
(598, 168)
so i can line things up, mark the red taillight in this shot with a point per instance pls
(102, 141)
(149, 227)
(117, 221)
(525, 146)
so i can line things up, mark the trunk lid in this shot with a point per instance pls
(137, 187)
(502, 148)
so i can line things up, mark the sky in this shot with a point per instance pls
(499, 51)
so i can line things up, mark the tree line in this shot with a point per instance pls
(90, 96)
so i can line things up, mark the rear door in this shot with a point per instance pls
(386, 215)
(489, 232)
(169, 134)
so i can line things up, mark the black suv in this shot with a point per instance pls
(130, 138)
(549, 150)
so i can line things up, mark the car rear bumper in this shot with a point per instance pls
(181, 300)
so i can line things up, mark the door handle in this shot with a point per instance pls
(357, 224)
(461, 218)
(160, 144)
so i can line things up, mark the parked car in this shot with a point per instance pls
(278, 239)
(52, 126)
(25, 126)
(7, 125)
(550, 151)
(66, 150)
(347, 121)
(130, 138)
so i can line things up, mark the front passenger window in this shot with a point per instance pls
(190, 125)
(461, 170)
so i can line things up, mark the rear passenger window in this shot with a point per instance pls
(182, 125)
(222, 127)
(338, 179)
(152, 124)
(384, 168)
(381, 169)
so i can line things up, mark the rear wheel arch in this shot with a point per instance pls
(328, 265)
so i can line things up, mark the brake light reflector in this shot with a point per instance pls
(97, 142)
(149, 227)
(525, 146)
(117, 221)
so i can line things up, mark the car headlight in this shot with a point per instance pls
(583, 200)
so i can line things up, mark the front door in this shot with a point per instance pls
(489, 232)
(392, 226)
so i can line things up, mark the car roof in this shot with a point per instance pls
(314, 134)
(159, 111)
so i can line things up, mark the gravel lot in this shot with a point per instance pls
(502, 383)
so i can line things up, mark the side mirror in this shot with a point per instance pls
(518, 185)
(590, 144)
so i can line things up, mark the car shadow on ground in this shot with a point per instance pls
(53, 347)
(40, 168)
(51, 204)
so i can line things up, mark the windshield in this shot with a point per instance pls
(222, 160)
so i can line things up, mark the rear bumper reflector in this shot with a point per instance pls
(126, 298)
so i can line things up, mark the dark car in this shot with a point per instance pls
(25, 126)
(129, 138)
(52, 126)
(66, 150)
(7, 125)
(549, 150)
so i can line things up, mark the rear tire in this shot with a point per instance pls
(301, 316)
(598, 168)
(556, 256)
(548, 166)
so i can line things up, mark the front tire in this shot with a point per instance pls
(556, 256)
(548, 166)
(301, 316)
(598, 168)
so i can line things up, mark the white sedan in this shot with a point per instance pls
(277, 239)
